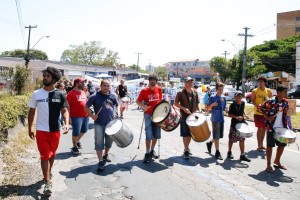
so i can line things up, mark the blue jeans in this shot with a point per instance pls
(100, 136)
(79, 125)
(151, 129)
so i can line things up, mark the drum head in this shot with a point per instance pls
(113, 127)
(160, 112)
(244, 128)
(195, 119)
(286, 133)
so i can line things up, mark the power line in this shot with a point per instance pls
(20, 19)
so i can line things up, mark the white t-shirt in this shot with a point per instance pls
(278, 122)
(48, 105)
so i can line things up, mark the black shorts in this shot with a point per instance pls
(271, 140)
(184, 129)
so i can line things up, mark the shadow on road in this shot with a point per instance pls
(256, 154)
(91, 126)
(64, 155)
(192, 162)
(229, 164)
(272, 179)
(7, 191)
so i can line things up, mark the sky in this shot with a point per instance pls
(162, 30)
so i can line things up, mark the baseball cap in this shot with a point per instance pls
(79, 80)
(188, 79)
(237, 93)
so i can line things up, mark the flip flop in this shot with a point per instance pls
(270, 169)
(280, 166)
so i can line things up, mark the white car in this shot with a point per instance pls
(228, 92)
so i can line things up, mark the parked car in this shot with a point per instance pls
(294, 93)
(212, 83)
(228, 92)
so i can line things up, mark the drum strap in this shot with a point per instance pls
(188, 99)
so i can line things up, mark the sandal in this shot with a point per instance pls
(280, 166)
(270, 169)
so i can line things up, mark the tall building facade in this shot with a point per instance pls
(288, 24)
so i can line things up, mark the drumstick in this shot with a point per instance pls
(99, 111)
(250, 112)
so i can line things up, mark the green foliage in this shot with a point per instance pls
(133, 66)
(220, 65)
(278, 55)
(90, 53)
(21, 53)
(20, 79)
(161, 72)
(11, 108)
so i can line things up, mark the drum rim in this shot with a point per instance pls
(116, 119)
(195, 125)
(162, 101)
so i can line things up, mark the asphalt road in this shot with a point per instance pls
(171, 176)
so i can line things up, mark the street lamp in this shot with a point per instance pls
(27, 58)
(46, 36)
(224, 40)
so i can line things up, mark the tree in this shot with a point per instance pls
(220, 65)
(90, 53)
(133, 66)
(278, 55)
(21, 53)
(161, 72)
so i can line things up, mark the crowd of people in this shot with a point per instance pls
(75, 103)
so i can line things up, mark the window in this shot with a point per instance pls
(297, 18)
(297, 29)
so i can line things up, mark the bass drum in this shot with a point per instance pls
(165, 116)
(119, 132)
(198, 127)
(284, 135)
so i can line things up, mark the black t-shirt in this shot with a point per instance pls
(238, 110)
(122, 91)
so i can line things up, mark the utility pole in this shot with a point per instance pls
(137, 66)
(246, 35)
(225, 53)
(27, 58)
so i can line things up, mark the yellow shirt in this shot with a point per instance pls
(260, 97)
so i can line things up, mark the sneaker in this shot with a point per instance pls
(153, 154)
(75, 150)
(209, 145)
(147, 158)
(106, 158)
(186, 155)
(229, 155)
(218, 155)
(244, 158)
(190, 153)
(101, 165)
(79, 145)
(48, 188)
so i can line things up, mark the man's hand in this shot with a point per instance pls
(240, 118)
(94, 117)
(31, 134)
(270, 118)
(66, 129)
(145, 107)
(187, 111)
(214, 104)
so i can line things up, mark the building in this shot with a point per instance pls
(150, 68)
(288, 24)
(199, 70)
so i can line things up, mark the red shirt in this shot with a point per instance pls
(150, 97)
(77, 101)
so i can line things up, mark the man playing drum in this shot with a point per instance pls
(121, 91)
(275, 113)
(259, 95)
(148, 98)
(217, 104)
(105, 107)
(188, 102)
(236, 112)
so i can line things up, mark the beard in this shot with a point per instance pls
(80, 87)
(46, 83)
(152, 83)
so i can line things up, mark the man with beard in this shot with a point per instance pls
(79, 118)
(105, 109)
(49, 103)
(149, 97)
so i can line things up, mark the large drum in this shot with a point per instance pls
(198, 127)
(119, 132)
(244, 130)
(165, 116)
(284, 135)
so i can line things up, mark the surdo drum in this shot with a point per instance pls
(244, 130)
(119, 132)
(198, 127)
(165, 116)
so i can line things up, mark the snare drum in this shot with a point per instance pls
(284, 135)
(198, 127)
(119, 132)
(244, 130)
(165, 116)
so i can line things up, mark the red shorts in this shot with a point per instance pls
(259, 121)
(47, 143)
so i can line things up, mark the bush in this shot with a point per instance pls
(12, 108)
(20, 79)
